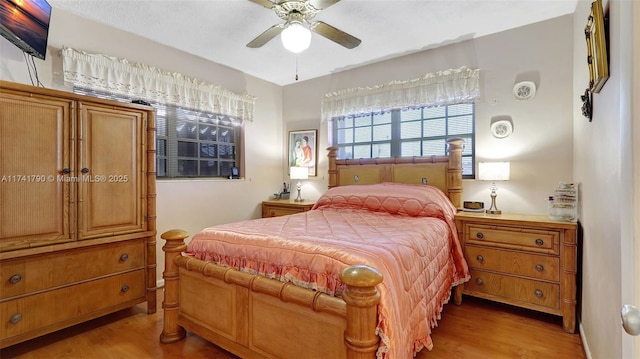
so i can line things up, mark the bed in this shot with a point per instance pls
(319, 285)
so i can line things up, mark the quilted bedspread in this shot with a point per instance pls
(405, 231)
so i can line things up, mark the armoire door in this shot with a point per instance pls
(110, 166)
(36, 150)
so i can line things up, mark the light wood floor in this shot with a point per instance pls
(477, 329)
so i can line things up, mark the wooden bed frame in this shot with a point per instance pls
(253, 316)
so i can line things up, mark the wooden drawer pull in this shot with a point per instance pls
(479, 281)
(539, 242)
(480, 258)
(15, 278)
(124, 289)
(16, 318)
(539, 267)
(538, 293)
(479, 235)
(124, 257)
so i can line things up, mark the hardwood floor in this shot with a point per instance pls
(476, 329)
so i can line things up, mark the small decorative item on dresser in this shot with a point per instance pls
(563, 205)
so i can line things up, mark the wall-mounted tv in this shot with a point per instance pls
(26, 24)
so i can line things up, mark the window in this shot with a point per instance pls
(191, 143)
(420, 131)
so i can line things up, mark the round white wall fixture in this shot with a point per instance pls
(524, 90)
(501, 128)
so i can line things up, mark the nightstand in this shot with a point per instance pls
(523, 260)
(277, 208)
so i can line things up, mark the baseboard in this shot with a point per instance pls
(585, 345)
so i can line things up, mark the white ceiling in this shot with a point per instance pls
(218, 30)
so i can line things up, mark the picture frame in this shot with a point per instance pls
(597, 57)
(303, 150)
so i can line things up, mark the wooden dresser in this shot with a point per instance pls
(77, 216)
(277, 208)
(523, 260)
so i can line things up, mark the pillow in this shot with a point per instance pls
(394, 198)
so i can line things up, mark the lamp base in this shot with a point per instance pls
(493, 209)
(299, 199)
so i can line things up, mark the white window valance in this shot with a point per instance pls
(439, 88)
(137, 80)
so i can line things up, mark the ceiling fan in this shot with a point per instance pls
(296, 13)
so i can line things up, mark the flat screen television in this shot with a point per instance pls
(26, 24)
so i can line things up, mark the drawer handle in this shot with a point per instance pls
(479, 235)
(15, 278)
(84, 170)
(539, 242)
(479, 281)
(538, 293)
(273, 213)
(124, 289)
(124, 257)
(539, 267)
(480, 258)
(16, 318)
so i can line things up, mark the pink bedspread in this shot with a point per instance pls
(405, 231)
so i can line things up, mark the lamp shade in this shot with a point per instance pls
(299, 172)
(295, 37)
(494, 171)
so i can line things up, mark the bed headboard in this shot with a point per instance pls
(444, 172)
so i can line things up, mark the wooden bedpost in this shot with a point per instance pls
(333, 169)
(362, 299)
(171, 331)
(455, 171)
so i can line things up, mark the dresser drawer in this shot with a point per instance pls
(30, 274)
(533, 240)
(279, 208)
(279, 211)
(513, 262)
(55, 309)
(514, 289)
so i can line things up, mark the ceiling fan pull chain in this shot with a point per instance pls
(296, 67)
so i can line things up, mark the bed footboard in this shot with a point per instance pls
(254, 316)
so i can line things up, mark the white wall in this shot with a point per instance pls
(188, 205)
(603, 164)
(540, 148)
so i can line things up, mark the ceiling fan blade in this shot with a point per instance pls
(266, 36)
(322, 4)
(266, 3)
(334, 34)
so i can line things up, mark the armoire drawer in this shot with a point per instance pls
(59, 308)
(39, 272)
(514, 288)
(534, 240)
(513, 262)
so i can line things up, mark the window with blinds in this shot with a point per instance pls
(191, 143)
(404, 133)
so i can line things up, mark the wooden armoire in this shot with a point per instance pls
(77, 209)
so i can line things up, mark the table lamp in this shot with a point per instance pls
(299, 173)
(493, 171)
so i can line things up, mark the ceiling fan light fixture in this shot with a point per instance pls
(295, 37)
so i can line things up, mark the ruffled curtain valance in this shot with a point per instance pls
(439, 88)
(137, 80)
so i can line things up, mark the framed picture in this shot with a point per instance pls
(303, 150)
(596, 48)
